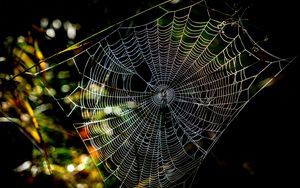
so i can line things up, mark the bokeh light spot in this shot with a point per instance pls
(50, 32)
(44, 22)
(56, 24)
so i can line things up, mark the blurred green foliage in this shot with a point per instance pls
(55, 157)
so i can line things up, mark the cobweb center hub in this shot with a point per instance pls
(163, 95)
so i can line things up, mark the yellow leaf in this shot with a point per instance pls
(25, 58)
(38, 52)
(31, 114)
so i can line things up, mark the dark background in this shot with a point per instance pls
(261, 145)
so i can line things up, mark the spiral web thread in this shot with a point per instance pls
(156, 93)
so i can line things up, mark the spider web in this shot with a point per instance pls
(155, 92)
